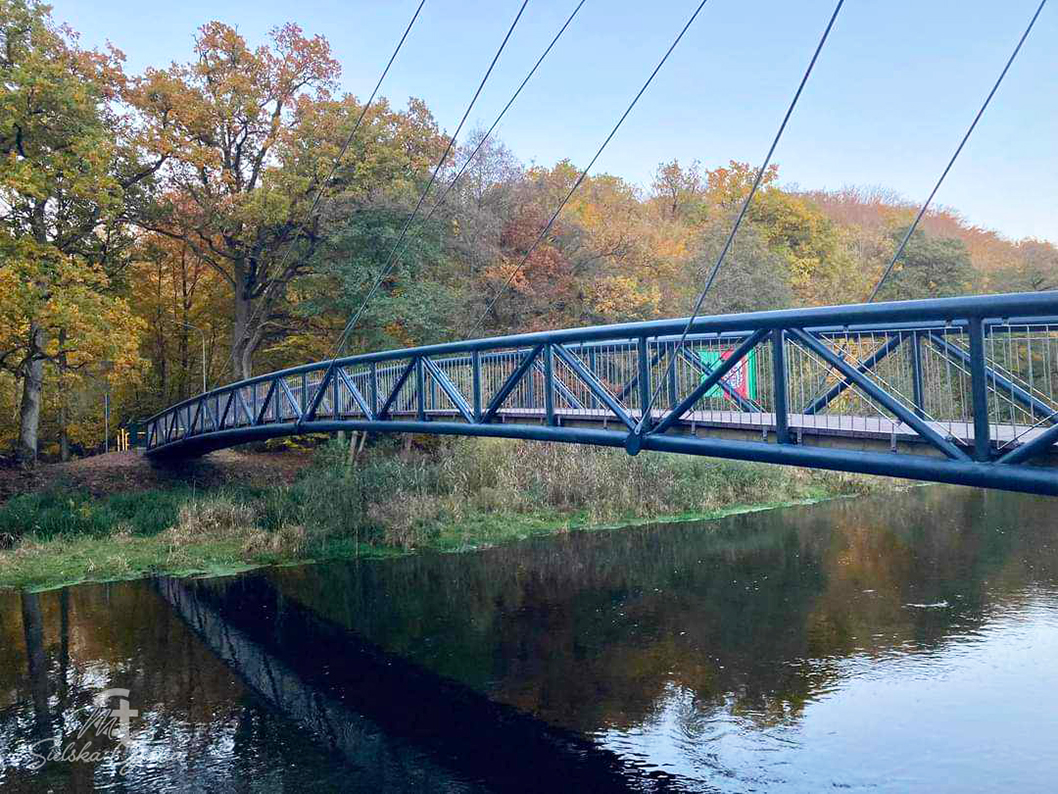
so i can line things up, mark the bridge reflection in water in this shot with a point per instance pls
(400, 725)
(960, 390)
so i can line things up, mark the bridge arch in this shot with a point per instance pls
(958, 390)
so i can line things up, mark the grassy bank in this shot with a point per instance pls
(462, 495)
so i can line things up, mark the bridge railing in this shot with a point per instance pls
(966, 379)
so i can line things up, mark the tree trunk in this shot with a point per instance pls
(33, 627)
(64, 417)
(29, 411)
(64, 434)
(244, 337)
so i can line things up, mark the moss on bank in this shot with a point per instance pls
(464, 495)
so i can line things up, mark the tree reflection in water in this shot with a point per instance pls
(695, 649)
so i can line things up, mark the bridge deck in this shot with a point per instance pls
(874, 428)
(961, 390)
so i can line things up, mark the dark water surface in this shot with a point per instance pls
(898, 643)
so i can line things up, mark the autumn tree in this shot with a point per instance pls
(677, 188)
(753, 277)
(1035, 268)
(184, 304)
(237, 192)
(929, 267)
(68, 170)
(251, 136)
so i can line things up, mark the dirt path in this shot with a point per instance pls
(131, 471)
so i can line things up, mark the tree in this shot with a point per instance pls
(251, 136)
(68, 171)
(753, 277)
(184, 303)
(929, 267)
(679, 189)
(238, 194)
(1036, 268)
(481, 203)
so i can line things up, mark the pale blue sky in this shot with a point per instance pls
(893, 92)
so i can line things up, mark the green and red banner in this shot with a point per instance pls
(742, 379)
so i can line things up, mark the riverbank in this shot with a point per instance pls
(459, 495)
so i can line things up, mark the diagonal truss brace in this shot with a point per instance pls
(714, 377)
(1026, 452)
(409, 368)
(358, 397)
(285, 387)
(869, 363)
(450, 389)
(593, 384)
(509, 384)
(872, 390)
(1003, 386)
(241, 402)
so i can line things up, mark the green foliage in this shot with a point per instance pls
(62, 512)
(461, 495)
(754, 276)
(930, 267)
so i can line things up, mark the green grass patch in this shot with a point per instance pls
(464, 495)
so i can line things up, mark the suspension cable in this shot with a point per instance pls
(502, 113)
(334, 166)
(738, 221)
(418, 206)
(584, 173)
(951, 162)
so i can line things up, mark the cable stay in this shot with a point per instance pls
(411, 218)
(644, 419)
(334, 166)
(584, 173)
(951, 162)
(484, 139)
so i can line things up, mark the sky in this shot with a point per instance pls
(893, 92)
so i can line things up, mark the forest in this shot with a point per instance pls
(196, 222)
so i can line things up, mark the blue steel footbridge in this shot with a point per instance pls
(956, 390)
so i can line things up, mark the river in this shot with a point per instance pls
(895, 643)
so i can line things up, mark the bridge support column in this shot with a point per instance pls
(475, 374)
(778, 360)
(643, 360)
(979, 389)
(915, 349)
(374, 388)
(420, 389)
(549, 385)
